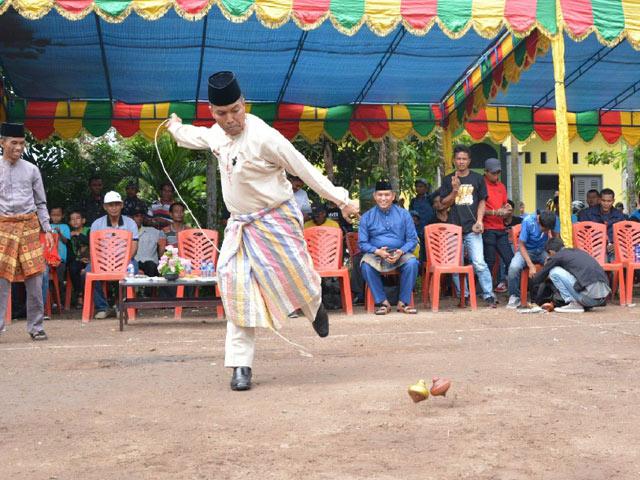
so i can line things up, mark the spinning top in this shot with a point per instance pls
(419, 391)
(440, 386)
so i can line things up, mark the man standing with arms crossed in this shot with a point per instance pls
(264, 270)
(466, 192)
(23, 212)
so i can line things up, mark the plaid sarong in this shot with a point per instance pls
(20, 248)
(265, 271)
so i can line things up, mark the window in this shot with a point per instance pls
(527, 157)
(576, 158)
(543, 157)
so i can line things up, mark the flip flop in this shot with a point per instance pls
(402, 308)
(382, 309)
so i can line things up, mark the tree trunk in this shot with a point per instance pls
(631, 179)
(394, 176)
(382, 156)
(328, 161)
(516, 175)
(212, 191)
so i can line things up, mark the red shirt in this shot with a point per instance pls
(496, 199)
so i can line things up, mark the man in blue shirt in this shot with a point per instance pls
(387, 236)
(532, 240)
(113, 219)
(606, 214)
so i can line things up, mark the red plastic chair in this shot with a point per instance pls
(524, 276)
(444, 255)
(592, 238)
(352, 246)
(110, 252)
(326, 247)
(626, 235)
(53, 260)
(196, 245)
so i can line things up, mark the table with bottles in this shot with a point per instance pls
(157, 301)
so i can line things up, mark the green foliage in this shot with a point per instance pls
(607, 157)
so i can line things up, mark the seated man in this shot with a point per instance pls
(386, 237)
(319, 218)
(604, 213)
(578, 277)
(150, 244)
(533, 237)
(113, 219)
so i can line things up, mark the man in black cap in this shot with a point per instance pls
(264, 270)
(387, 237)
(23, 213)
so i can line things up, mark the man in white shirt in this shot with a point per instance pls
(301, 196)
(264, 269)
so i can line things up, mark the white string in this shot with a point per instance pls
(301, 350)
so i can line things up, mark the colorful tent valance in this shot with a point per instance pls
(364, 122)
(612, 20)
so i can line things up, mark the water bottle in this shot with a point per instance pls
(187, 267)
(637, 253)
(203, 268)
(130, 270)
(211, 269)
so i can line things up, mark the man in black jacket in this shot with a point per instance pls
(579, 278)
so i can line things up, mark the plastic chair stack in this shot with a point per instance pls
(110, 255)
(444, 255)
(626, 235)
(592, 238)
(325, 247)
(198, 245)
(524, 276)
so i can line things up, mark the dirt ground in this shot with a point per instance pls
(533, 396)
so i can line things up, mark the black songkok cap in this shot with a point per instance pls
(223, 89)
(383, 185)
(12, 130)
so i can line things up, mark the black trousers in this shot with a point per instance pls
(496, 242)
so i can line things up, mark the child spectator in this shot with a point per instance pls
(78, 254)
(56, 214)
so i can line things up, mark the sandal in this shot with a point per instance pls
(402, 308)
(382, 309)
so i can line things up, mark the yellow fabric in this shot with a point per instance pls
(498, 131)
(327, 223)
(160, 112)
(562, 139)
(399, 129)
(630, 134)
(312, 130)
(152, 8)
(487, 16)
(273, 13)
(631, 9)
(382, 15)
(572, 126)
(69, 127)
(447, 150)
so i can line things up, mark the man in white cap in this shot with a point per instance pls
(23, 212)
(264, 270)
(113, 219)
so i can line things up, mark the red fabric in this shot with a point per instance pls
(126, 118)
(363, 130)
(521, 14)
(419, 13)
(291, 113)
(496, 199)
(610, 128)
(192, 6)
(477, 126)
(39, 118)
(74, 6)
(309, 12)
(544, 123)
(578, 16)
(50, 254)
(203, 115)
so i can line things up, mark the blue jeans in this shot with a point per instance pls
(472, 243)
(564, 282)
(518, 264)
(408, 275)
(99, 302)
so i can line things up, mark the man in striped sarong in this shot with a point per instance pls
(264, 269)
(23, 212)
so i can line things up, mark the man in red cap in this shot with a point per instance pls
(23, 212)
(264, 270)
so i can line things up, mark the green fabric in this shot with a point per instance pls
(186, 111)
(97, 118)
(546, 15)
(336, 124)
(454, 14)
(587, 125)
(608, 17)
(265, 111)
(519, 52)
(237, 7)
(16, 111)
(112, 8)
(521, 122)
(347, 13)
(422, 119)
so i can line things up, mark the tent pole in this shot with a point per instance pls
(447, 150)
(562, 135)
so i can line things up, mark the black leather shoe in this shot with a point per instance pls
(241, 378)
(39, 336)
(321, 323)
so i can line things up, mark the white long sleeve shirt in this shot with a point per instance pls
(253, 165)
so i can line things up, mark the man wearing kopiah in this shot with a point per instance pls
(264, 269)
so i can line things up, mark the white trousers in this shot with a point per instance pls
(240, 346)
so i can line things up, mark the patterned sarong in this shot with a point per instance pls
(265, 271)
(20, 248)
